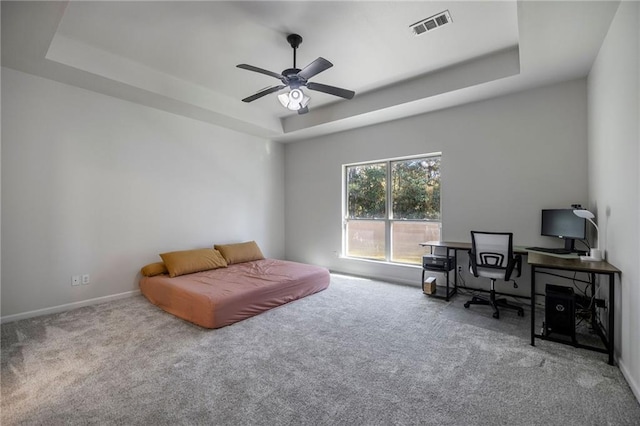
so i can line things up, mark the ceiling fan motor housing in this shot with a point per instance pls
(292, 79)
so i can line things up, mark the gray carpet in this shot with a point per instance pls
(361, 352)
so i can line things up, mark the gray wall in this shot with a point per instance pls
(503, 160)
(614, 181)
(96, 185)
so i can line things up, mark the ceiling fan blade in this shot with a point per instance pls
(336, 91)
(303, 110)
(263, 93)
(315, 68)
(260, 70)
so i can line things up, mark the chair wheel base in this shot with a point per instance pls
(495, 304)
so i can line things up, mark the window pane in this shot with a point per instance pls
(416, 188)
(366, 191)
(406, 237)
(365, 238)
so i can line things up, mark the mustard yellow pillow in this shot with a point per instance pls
(241, 252)
(153, 269)
(189, 261)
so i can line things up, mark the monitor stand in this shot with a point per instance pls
(570, 244)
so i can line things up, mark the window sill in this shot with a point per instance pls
(381, 262)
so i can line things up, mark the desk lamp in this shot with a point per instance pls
(595, 254)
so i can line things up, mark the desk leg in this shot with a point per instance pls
(447, 288)
(611, 332)
(533, 305)
(455, 270)
(594, 309)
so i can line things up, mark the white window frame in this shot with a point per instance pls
(388, 219)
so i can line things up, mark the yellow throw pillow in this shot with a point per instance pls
(241, 252)
(153, 269)
(190, 261)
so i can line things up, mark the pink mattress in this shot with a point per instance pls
(220, 297)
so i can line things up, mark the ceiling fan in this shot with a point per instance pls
(295, 78)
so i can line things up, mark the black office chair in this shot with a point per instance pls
(491, 256)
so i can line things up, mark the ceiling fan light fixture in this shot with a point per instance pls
(284, 99)
(294, 100)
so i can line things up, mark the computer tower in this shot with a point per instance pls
(559, 311)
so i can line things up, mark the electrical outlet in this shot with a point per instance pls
(459, 268)
(75, 280)
(86, 279)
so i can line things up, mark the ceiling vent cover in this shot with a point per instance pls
(431, 23)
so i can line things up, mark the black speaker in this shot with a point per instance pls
(559, 311)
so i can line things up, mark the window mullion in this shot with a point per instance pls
(389, 215)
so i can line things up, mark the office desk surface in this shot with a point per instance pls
(544, 261)
(447, 244)
(464, 246)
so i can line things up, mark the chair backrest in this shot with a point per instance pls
(492, 254)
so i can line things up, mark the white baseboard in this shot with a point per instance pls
(67, 306)
(383, 278)
(635, 388)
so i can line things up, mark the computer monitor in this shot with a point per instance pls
(563, 223)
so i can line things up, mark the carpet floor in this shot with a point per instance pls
(361, 352)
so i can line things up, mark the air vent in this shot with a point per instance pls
(431, 23)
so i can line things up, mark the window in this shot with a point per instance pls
(390, 207)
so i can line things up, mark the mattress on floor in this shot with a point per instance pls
(220, 297)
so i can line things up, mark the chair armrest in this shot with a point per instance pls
(514, 264)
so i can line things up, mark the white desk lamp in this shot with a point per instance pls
(595, 254)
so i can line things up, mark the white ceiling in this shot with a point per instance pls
(181, 56)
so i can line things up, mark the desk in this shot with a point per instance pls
(455, 247)
(537, 261)
(465, 246)
(540, 261)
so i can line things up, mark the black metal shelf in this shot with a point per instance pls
(443, 291)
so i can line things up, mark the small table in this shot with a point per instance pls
(541, 261)
(451, 249)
